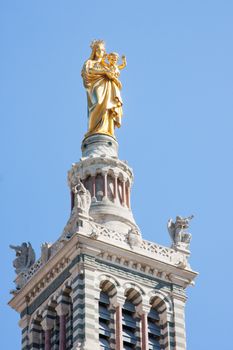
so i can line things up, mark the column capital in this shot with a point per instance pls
(143, 309)
(47, 323)
(62, 309)
(117, 301)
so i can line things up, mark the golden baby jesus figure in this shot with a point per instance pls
(100, 75)
(114, 68)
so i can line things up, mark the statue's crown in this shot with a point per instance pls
(97, 42)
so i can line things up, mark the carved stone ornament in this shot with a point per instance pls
(82, 198)
(25, 257)
(134, 238)
(178, 231)
(80, 211)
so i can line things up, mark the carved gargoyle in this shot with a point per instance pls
(178, 231)
(25, 257)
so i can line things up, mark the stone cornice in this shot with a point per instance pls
(154, 262)
(137, 261)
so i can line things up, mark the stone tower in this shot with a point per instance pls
(101, 285)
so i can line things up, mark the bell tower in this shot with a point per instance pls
(101, 285)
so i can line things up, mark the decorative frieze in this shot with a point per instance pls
(47, 279)
(131, 241)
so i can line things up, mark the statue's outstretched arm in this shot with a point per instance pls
(123, 64)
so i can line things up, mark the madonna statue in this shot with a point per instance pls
(100, 79)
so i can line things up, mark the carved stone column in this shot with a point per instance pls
(128, 195)
(117, 304)
(112, 322)
(144, 331)
(105, 189)
(93, 187)
(62, 311)
(142, 311)
(123, 193)
(119, 337)
(115, 187)
(47, 324)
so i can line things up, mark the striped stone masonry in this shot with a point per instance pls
(179, 322)
(24, 325)
(78, 307)
(69, 318)
(91, 312)
(64, 314)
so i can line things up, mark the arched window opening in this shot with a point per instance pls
(154, 330)
(104, 321)
(127, 194)
(120, 190)
(99, 183)
(129, 326)
(88, 184)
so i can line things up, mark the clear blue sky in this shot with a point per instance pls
(176, 133)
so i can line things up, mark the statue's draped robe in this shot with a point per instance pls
(104, 99)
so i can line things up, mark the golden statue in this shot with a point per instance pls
(100, 78)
